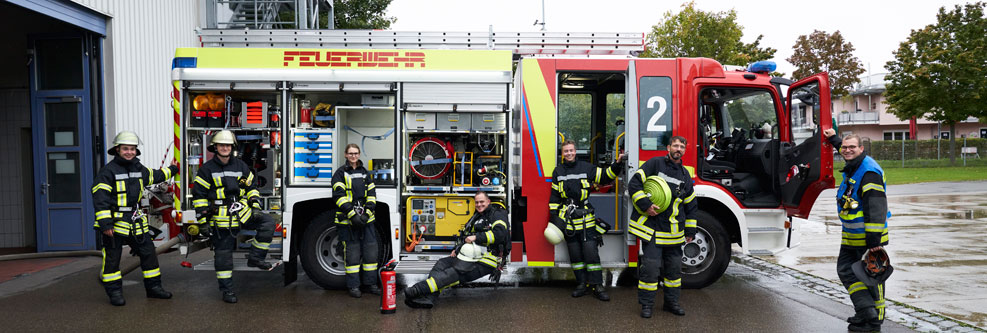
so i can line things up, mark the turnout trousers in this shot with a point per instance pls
(584, 256)
(360, 254)
(112, 251)
(861, 295)
(224, 241)
(664, 261)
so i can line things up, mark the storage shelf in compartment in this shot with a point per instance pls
(375, 108)
(238, 129)
(451, 194)
(413, 131)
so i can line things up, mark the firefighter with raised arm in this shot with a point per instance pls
(570, 211)
(863, 208)
(356, 197)
(485, 244)
(224, 194)
(664, 218)
(117, 193)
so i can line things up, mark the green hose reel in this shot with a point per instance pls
(658, 192)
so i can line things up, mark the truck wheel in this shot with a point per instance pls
(706, 258)
(322, 255)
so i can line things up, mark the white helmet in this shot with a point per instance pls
(221, 137)
(470, 252)
(553, 234)
(125, 138)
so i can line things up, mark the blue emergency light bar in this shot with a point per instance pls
(763, 66)
(183, 62)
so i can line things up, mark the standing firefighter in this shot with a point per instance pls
(664, 218)
(863, 208)
(485, 245)
(116, 197)
(224, 194)
(571, 212)
(356, 198)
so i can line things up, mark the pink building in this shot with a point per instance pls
(864, 113)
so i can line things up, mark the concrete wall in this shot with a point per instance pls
(16, 187)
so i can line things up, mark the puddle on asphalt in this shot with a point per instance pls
(945, 263)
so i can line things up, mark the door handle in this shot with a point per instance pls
(44, 188)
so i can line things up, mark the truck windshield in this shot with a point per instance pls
(749, 112)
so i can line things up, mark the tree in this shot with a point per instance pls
(940, 71)
(822, 52)
(361, 14)
(696, 33)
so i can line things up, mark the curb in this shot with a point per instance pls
(910, 316)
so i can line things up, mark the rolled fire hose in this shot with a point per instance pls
(658, 192)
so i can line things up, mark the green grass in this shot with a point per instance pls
(923, 171)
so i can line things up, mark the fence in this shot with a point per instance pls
(927, 153)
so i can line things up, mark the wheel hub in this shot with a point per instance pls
(330, 252)
(697, 255)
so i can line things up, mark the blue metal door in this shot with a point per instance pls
(60, 117)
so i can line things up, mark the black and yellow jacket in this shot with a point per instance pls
(118, 189)
(352, 186)
(670, 227)
(218, 186)
(571, 183)
(491, 231)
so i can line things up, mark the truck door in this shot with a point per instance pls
(807, 166)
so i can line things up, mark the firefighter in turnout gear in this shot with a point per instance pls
(356, 197)
(570, 211)
(119, 187)
(663, 232)
(225, 196)
(486, 228)
(863, 208)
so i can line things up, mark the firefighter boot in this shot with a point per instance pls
(601, 293)
(373, 289)
(229, 297)
(863, 316)
(355, 292)
(116, 297)
(158, 292)
(153, 288)
(646, 311)
(870, 326)
(256, 259)
(673, 308)
(417, 296)
(580, 291)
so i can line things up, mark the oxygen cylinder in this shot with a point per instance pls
(388, 282)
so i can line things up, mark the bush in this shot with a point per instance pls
(920, 149)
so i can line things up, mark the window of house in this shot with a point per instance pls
(897, 135)
(944, 135)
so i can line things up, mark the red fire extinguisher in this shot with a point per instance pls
(388, 281)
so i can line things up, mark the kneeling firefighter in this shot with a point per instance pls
(664, 218)
(356, 198)
(117, 193)
(469, 261)
(570, 211)
(225, 195)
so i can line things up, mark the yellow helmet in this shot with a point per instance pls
(125, 138)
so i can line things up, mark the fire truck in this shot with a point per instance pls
(441, 115)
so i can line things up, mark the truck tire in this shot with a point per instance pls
(706, 258)
(321, 254)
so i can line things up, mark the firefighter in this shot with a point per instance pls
(486, 228)
(225, 196)
(117, 193)
(570, 211)
(663, 232)
(863, 208)
(356, 196)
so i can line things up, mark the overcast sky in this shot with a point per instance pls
(874, 27)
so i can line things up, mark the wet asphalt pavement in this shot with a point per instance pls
(745, 299)
(936, 245)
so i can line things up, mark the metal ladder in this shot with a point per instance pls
(520, 43)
